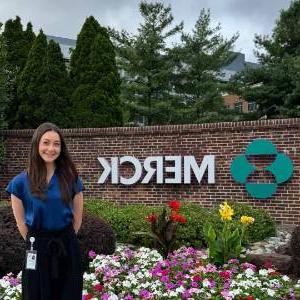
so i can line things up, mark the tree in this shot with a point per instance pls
(80, 57)
(95, 100)
(4, 99)
(44, 86)
(18, 44)
(148, 66)
(55, 88)
(201, 56)
(275, 86)
(30, 85)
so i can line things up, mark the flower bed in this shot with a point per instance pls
(185, 274)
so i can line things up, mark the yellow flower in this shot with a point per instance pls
(246, 220)
(226, 212)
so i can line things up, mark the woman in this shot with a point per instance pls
(47, 203)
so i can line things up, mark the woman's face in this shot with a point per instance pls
(50, 146)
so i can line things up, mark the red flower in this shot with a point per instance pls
(267, 264)
(98, 287)
(88, 297)
(151, 218)
(225, 274)
(197, 278)
(164, 272)
(175, 205)
(249, 298)
(177, 218)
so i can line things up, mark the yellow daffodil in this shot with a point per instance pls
(246, 220)
(226, 212)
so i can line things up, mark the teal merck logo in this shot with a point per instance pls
(281, 168)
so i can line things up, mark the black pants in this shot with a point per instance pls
(59, 272)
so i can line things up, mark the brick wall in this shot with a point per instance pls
(224, 140)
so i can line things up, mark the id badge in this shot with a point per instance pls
(31, 259)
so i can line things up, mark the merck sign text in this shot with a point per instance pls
(154, 165)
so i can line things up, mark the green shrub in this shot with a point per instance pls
(125, 220)
(263, 226)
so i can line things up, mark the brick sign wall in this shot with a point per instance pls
(224, 140)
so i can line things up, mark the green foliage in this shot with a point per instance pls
(56, 87)
(4, 98)
(44, 86)
(148, 66)
(275, 86)
(125, 220)
(18, 44)
(226, 242)
(163, 228)
(95, 100)
(263, 226)
(201, 56)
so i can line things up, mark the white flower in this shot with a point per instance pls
(205, 283)
(285, 278)
(249, 273)
(263, 272)
(270, 292)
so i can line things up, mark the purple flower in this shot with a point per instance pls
(92, 254)
(170, 286)
(105, 297)
(186, 294)
(145, 294)
(164, 278)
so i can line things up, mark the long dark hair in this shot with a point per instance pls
(65, 168)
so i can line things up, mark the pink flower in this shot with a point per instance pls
(92, 254)
(98, 287)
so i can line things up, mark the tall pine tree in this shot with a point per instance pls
(44, 86)
(80, 58)
(148, 67)
(201, 56)
(30, 114)
(4, 99)
(18, 44)
(275, 86)
(55, 88)
(95, 100)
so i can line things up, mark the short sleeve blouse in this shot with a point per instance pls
(49, 214)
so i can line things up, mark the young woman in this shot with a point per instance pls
(47, 203)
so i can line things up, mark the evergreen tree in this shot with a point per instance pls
(30, 114)
(95, 100)
(275, 86)
(44, 86)
(80, 57)
(4, 100)
(18, 44)
(148, 66)
(201, 57)
(55, 88)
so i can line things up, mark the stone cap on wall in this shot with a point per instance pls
(145, 130)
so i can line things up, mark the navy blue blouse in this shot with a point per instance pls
(50, 214)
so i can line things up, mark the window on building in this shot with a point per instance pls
(252, 106)
(238, 106)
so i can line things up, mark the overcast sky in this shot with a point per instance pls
(65, 17)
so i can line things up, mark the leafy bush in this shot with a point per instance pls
(126, 220)
(12, 246)
(263, 226)
(95, 234)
